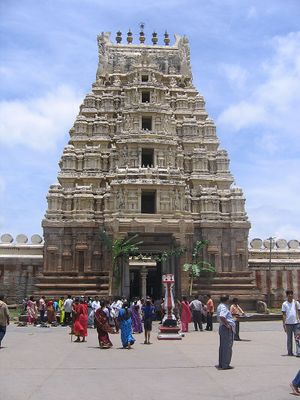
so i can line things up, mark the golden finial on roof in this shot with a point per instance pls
(166, 39)
(129, 37)
(142, 35)
(154, 38)
(119, 37)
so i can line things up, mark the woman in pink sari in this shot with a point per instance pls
(186, 315)
(32, 311)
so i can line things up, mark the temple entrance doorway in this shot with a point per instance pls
(135, 277)
(142, 274)
(154, 284)
(145, 279)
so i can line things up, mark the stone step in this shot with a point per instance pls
(50, 279)
(218, 280)
(234, 274)
(72, 285)
(216, 294)
(224, 286)
(80, 292)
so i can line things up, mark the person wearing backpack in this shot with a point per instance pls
(291, 316)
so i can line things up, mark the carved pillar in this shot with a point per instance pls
(144, 273)
(125, 278)
(90, 241)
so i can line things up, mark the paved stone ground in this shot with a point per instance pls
(43, 364)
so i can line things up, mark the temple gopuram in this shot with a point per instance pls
(144, 158)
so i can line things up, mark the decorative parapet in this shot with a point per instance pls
(21, 240)
(122, 58)
(279, 244)
(283, 255)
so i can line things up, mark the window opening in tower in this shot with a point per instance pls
(148, 202)
(146, 97)
(147, 158)
(147, 123)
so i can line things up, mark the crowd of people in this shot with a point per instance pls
(59, 311)
(120, 315)
(108, 317)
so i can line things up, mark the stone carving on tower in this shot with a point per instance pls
(143, 157)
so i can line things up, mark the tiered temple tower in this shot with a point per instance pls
(143, 157)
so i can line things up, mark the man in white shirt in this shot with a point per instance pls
(226, 333)
(96, 304)
(196, 308)
(42, 309)
(68, 309)
(291, 316)
(116, 307)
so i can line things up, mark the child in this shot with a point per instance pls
(148, 313)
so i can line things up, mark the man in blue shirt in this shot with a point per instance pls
(226, 333)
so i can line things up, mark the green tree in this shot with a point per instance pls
(198, 267)
(119, 248)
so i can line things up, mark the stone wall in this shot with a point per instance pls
(21, 264)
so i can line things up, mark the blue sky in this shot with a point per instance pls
(246, 63)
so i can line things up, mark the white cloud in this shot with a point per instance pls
(236, 75)
(38, 123)
(273, 104)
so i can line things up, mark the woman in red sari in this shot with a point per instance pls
(80, 312)
(186, 315)
(103, 327)
(50, 312)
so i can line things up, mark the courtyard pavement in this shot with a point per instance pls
(43, 364)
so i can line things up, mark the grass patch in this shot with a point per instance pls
(15, 312)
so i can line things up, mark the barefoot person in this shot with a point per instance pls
(196, 308)
(210, 309)
(103, 327)
(80, 320)
(236, 312)
(148, 311)
(136, 317)
(125, 323)
(295, 384)
(32, 311)
(185, 315)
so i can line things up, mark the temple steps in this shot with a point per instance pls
(58, 293)
(72, 285)
(238, 284)
(51, 285)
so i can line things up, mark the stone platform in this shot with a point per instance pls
(42, 363)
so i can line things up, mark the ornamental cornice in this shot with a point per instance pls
(147, 181)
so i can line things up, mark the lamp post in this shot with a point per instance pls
(270, 239)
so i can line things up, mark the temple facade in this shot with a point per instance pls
(271, 270)
(143, 158)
